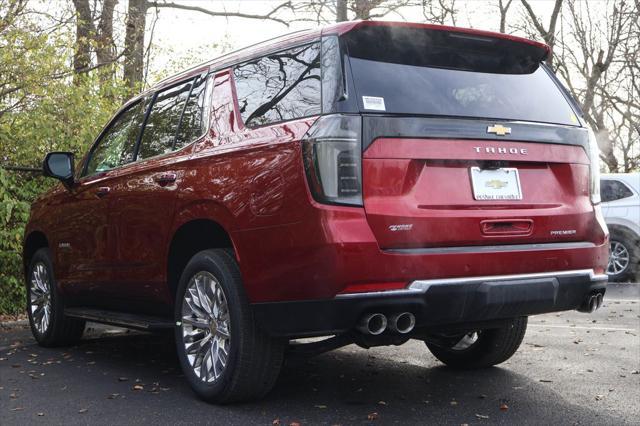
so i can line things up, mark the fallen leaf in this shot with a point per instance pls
(372, 416)
(504, 407)
(599, 397)
(276, 422)
(294, 424)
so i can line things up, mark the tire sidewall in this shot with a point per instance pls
(57, 310)
(209, 261)
(631, 270)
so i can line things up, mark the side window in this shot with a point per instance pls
(194, 120)
(164, 118)
(281, 86)
(117, 145)
(612, 190)
(176, 119)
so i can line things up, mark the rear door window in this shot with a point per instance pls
(176, 119)
(194, 120)
(160, 129)
(280, 86)
(116, 147)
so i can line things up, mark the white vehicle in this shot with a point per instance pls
(620, 195)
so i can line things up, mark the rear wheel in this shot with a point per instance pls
(482, 348)
(624, 257)
(45, 305)
(225, 356)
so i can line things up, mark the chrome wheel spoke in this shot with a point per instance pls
(40, 298)
(206, 327)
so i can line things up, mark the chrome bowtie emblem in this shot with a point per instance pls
(499, 130)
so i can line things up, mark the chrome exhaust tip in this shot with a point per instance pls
(599, 300)
(593, 303)
(373, 324)
(402, 322)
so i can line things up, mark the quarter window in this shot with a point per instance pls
(612, 190)
(280, 86)
(117, 145)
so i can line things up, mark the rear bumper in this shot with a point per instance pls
(438, 303)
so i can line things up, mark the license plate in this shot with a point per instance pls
(495, 184)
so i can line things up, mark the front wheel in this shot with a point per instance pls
(483, 348)
(225, 356)
(45, 305)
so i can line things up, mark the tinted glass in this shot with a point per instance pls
(193, 122)
(611, 190)
(443, 74)
(160, 129)
(281, 86)
(117, 145)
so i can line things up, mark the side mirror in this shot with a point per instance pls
(59, 165)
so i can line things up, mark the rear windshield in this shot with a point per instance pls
(417, 74)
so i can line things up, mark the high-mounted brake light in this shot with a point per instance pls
(332, 151)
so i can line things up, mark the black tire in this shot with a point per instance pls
(631, 244)
(254, 359)
(60, 330)
(492, 347)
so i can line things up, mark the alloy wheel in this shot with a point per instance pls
(40, 297)
(206, 326)
(619, 258)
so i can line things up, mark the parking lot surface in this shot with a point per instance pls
(572, 368)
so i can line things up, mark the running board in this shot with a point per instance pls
(121, 319)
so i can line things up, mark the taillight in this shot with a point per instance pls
(332, 152)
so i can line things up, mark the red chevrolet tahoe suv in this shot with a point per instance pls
(367, 182)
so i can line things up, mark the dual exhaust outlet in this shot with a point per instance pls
(593, 302)
(377, 323)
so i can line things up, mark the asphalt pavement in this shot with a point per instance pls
(572, 368)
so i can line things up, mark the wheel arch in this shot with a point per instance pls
(191, 237)
(33, 242)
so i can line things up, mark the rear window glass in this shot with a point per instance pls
(426, 75)
(280, 86)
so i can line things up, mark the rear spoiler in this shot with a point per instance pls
(441, 46)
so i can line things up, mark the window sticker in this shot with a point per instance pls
(373, 102)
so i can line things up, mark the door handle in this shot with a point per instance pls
(166, 178)
(102, 191)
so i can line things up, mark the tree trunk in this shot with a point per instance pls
(134, 44)
(341, 11)
(363, 8)
(85, 32)
(105, 47)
